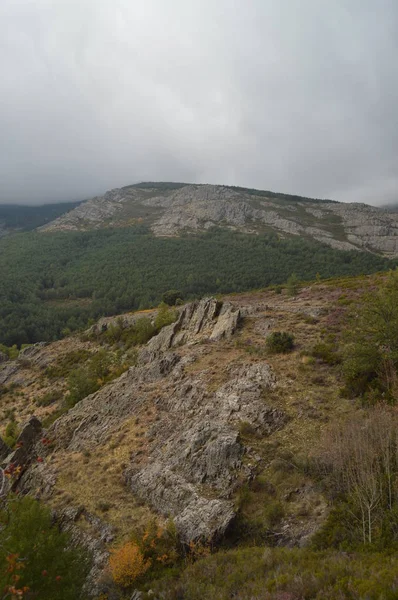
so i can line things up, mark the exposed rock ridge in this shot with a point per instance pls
(198, 207)
(208, 319)
(193, 455)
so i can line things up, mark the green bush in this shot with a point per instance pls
(11, 433)
(327, 353)
(371, 344)
(34, 549)
(280, 342)
(49, 398)
(292, 285)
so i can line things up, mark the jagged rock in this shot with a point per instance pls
(7, 370)
(4, 450)
(192, 460)
(31, 351)
(227, 322)
(208, 319)
(25, 443)
(195, 516)
(94, 537)
(3, 357)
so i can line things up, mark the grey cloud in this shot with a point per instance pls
(291, 95)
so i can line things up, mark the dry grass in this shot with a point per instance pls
(95, 480)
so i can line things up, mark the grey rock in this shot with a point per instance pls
(31, 351)
(4, 449)
(7, 370)
(25, 443)
(198, 207)
(208, 319)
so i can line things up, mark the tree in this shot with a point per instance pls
(34, 554)
(292, 285)
(171, 296)
(371, 350)
(128, 564)
(362, 458)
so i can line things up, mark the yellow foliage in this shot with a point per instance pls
(127, 564)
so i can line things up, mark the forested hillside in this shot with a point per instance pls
(26, 218)
(53, 283)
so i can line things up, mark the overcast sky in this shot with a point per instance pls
(297, 96)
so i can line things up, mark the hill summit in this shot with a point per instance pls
(170, 209)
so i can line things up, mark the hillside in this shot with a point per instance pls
(26, 218)
(57, 282)
(211, 426)
(171, 209)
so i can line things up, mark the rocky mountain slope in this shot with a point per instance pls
(170, 209)
(203, 413)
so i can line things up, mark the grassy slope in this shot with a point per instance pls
(283, 503)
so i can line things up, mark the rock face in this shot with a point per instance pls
(193, 455)
(199, 207)
(207, 319)
(21, 456)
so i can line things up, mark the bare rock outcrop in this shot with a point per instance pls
(199, 207)
(193, 456)
(207, 319)
(22, 455)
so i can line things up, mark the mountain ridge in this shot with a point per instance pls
(171, 209)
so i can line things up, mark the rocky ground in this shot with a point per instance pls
(202, 429)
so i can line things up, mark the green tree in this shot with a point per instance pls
(292, 285)
(41, 557)
(171, 296)
(371, 348)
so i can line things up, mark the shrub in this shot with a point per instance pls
(36, 555)
(371, 343)
(11, 433)
(327, 353)
(280, 342)
(165, 316)
(128, 564)
(292, 285)
(49, 398)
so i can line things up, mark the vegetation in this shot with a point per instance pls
(371, 345)
(280, 342)
(285, 574)
(26, 218)
(36, 559)
(11, 433)
(154, 549)
(128, 564)
(361, 460)
(55, 283)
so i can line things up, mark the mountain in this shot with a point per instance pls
(25, 218)
(203, 440)
(171, 209)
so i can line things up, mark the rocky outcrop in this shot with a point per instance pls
(4, 450)
(192, 458)
(207, 319)
(22, 455)
(199, 207)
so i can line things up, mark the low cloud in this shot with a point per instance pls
(297, 96)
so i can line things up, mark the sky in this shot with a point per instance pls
(294, 96)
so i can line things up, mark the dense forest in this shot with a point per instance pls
(27, 218)
(54, 283)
